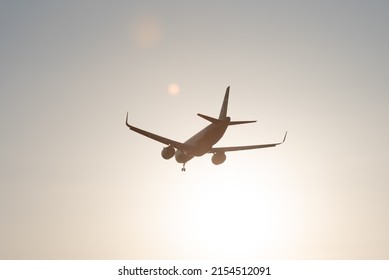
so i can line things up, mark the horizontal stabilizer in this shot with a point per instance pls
(208, 118)
(240, 122)
(213, 120)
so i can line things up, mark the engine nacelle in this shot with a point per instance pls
(168, 152)
(218, 158)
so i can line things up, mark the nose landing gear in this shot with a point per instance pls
(183, 167)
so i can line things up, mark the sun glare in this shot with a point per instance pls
(232, 214)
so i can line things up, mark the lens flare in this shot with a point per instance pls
(173, 89)
(146, 32)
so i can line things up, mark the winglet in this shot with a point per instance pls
(127, 121)
(286, 133)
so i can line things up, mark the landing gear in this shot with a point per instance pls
(183, 168)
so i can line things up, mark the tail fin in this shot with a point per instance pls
(223, 113)
(223, 110)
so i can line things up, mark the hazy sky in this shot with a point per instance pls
(76, 183)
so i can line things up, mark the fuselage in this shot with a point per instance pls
(202, 141)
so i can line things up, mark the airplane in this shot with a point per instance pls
(202, 142)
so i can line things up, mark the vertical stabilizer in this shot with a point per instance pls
(223, 110)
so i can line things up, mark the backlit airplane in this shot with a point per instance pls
(202, 142)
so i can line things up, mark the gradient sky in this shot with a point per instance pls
(75, 183)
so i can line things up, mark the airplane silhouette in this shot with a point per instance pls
(202, 142)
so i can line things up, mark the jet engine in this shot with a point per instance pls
(218, 158)
(168, 152)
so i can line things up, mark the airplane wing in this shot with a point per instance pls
(241, 148)
(158, 138)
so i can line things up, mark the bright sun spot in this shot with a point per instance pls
(173, 89)
(232, 212)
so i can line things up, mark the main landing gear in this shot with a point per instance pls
(183, 168)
